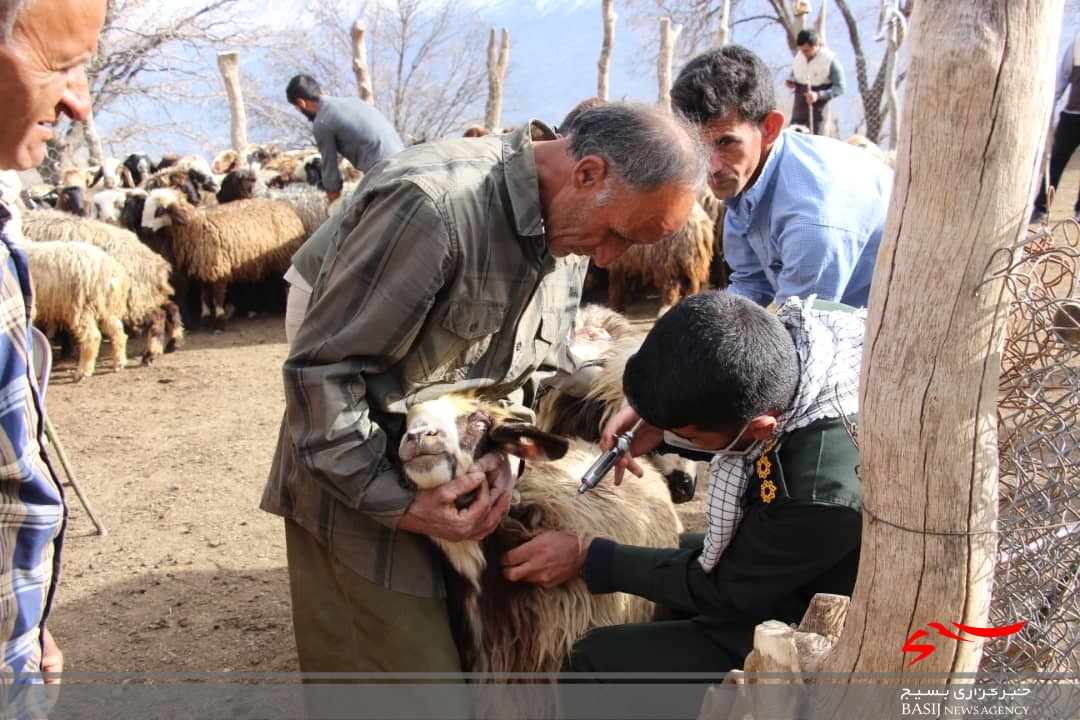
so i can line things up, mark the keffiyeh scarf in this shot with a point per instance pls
(829, 346)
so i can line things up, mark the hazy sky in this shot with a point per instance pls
(555, 45)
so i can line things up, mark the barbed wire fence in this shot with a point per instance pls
(1039, 487)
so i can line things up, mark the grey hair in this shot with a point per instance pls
(9, 10)
(645, 147)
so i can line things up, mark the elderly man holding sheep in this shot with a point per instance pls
(457, 266)
(44, 48)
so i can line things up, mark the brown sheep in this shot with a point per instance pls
(677, 267)
(242, 241)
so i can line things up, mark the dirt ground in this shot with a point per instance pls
(191, 576)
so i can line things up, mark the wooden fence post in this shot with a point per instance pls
(229, 64)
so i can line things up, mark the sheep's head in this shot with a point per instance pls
(442, 438)
(107, 205)
(162, 209)
(72, 199)
(225, 162)
(138, 166)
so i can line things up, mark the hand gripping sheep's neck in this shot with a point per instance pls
(444, 436)
(510, 627)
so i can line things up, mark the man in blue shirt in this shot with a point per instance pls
(804, 213)
(44, 48)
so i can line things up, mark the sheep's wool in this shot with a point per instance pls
(829, 345)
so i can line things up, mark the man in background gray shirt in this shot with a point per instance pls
(343, 126)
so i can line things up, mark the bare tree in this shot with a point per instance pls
(152, 59)
(668, 35)
(431, 61)
(875, 94)
(498, 56)
(725, 23)
(928, 398)
(229, 63)
(360, 63)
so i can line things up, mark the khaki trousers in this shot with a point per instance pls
(345, 623)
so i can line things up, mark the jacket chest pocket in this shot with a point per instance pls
(455, 345)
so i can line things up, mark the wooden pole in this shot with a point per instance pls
(801, 11)
(229, 64)
(724, 35)
(819, 24)
(668, 34)
(607, 10)
(93, 140)
(359, 62)
(498, 58)
(966, 170)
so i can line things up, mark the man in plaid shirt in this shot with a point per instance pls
(457, 266)
(772, 396)
(44, 47)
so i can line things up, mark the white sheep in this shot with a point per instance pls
(78, 287)
(148, 305)
(242, 241)
(107, 205)
(310, 204)
(581, 404)
(515, 627)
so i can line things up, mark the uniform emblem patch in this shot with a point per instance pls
(763, 466)
(768, 492)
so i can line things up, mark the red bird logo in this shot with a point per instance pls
(925, 650)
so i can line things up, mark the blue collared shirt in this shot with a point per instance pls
(32, 510)
(810, 224)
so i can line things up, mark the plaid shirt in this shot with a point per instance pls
(32, 510)
(438, 280)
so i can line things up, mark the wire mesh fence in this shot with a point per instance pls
(1039, 487)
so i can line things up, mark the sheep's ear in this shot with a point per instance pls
(528, 441)
(174, 211)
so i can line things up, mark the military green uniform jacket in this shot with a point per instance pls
(800, 536)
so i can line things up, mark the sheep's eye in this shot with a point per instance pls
(480, 420)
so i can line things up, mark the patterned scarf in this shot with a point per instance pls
(829, 346)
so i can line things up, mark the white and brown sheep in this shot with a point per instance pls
(242, 241)
(149, 303)
(581, 404)
(677, 266)
(861, 141)
(190, 174)
(107, 205)
(81, 289)
(521, 627)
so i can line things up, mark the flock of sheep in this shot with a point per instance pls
(119, 250)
